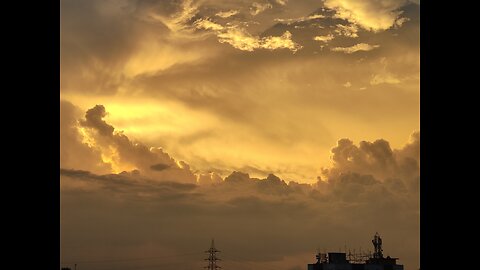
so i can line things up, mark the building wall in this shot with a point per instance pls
(374, 267)
(337, 266)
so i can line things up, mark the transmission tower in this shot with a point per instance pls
(377, 244)
(212, 257)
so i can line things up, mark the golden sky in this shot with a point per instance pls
(192, 90)
(262, 87)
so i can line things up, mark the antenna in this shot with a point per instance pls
(377, 244)
(212, 257)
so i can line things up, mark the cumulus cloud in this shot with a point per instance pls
(400, 21)
(208, 25)
(355, 48)
(271, 217)
(282, 42)
(377, 159)
(350, 30)
(372, 15)
(75, 151)
(258, 8)
(227, 14)
(239, 37)
(94, 119)
(208, 178)
(324, 38)
(122, 154)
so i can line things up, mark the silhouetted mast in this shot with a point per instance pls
(212, 257)
(377, 243)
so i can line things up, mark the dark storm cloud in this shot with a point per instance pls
(128, 180)
(94, 119)
(262, 220)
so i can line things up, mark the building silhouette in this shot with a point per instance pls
(356, 261)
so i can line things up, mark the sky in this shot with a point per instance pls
(279, 127)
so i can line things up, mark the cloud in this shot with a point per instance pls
(208, 25)
(208, 178)
(129, 59)
(159, 167)
(227, 14)
(300, 19)
(240, 39)
(75, 151)
(94, 119)
(355, 48)
(179, 20)
(350, 30)
(258, 8)
(400, 21)
(378, 160)
(374, 15)
(384, 78)
(324, 38)
(282, 42)
(123, 154)
(274, 219)
(347, 84)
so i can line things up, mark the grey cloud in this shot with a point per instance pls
(94, 119)
(261, 220)
(159, 167)
(397, 167)
(90, 51)
(129, 183)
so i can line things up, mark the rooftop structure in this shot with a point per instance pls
(356, 261)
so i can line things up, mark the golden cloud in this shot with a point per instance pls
(227, 14)
(324, 38)
(355, 48)
(240, 39)
(372, 15)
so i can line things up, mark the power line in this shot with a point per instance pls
(134, 259)
(154, 265)
(243, 261)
